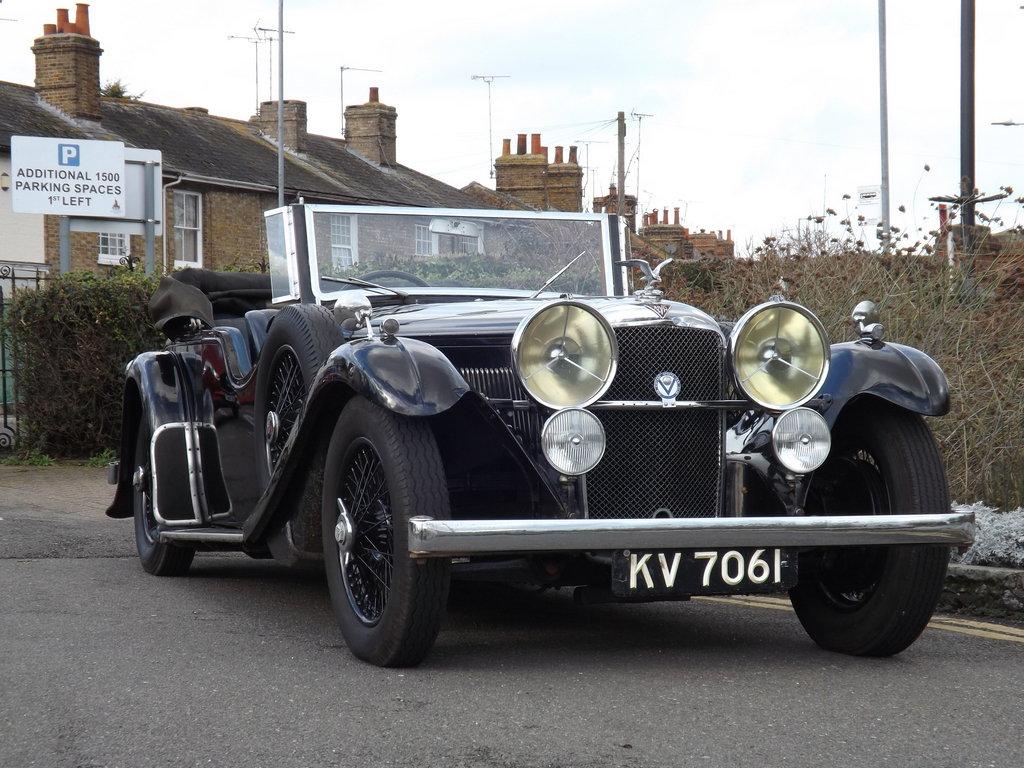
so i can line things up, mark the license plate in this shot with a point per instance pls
(663, 573)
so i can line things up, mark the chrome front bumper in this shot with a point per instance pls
(446, 538)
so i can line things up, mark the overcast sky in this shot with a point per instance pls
(763, 112)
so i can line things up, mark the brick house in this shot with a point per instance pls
(219, 174)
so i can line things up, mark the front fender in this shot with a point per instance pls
(406, 376)
(898, 374)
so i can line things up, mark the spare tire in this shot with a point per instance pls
(301, 338)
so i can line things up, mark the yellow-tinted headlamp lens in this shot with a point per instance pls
(565, 355)
(780, 355)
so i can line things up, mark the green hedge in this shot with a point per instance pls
(71, 340)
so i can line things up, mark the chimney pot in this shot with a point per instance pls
(506, 147)
(664, 216)
(573, 156)
(374, 94)
(544, 151)
(82, 19)
(675, 219)
(728, 235)
(521, 144)
(534, 143)
(63, 24)
(49, 29)
(558, 156)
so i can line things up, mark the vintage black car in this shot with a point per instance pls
(415, 395)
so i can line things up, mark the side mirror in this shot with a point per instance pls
(352, 311)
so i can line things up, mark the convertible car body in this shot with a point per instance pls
(414, 395)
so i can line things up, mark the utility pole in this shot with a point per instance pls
(341, 89)
(280, 103)
(490, 138)
(620, 203)
(883, 94)
(256, 44)
(639, 117)
(967, 122)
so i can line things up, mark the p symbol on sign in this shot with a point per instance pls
(67, 154)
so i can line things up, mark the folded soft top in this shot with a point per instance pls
(202, 294)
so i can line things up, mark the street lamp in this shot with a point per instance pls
(1007, 122)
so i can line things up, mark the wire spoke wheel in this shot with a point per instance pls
(285, 398)
(368, 563)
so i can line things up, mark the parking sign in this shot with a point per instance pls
(67, 177)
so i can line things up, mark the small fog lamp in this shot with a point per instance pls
(573, 441)
(801, 440)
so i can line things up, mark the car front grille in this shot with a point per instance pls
(658, 462)
(661, 462)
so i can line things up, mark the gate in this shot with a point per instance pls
(13, 278)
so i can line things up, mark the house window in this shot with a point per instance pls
(114, 246)
(188, 229)
(343, 253)
(422, 240)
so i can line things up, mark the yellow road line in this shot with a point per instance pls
(745, 603)
(949, 624)
(1001, 628)
(939, 624)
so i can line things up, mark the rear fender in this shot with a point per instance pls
(188, 484)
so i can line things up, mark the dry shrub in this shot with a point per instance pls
(975, 333)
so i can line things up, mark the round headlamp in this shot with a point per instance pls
(565, 355)
(802, 440)
(780, 355)
(573, 441)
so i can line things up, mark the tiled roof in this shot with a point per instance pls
(203, 145)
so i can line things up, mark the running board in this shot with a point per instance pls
(201, 536)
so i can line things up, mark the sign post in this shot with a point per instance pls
(67, 177)
(93, 186)
(149, 214)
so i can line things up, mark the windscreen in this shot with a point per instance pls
(446, 251)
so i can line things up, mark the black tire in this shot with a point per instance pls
(156, 558)
(400, 629)
(874, 601)
(300, 339)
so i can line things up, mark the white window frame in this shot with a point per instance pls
(424, 240)
(353, 242)
(112, 256)
(198, 229)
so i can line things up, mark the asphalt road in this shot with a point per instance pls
(240, 664)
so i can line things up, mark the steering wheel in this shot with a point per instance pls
(397, 274)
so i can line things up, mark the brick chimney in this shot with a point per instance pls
(294, 122)
(370, 129)
(523, 175)
(564, 181)
(68, 65)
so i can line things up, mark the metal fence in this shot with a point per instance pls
(13, 278)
